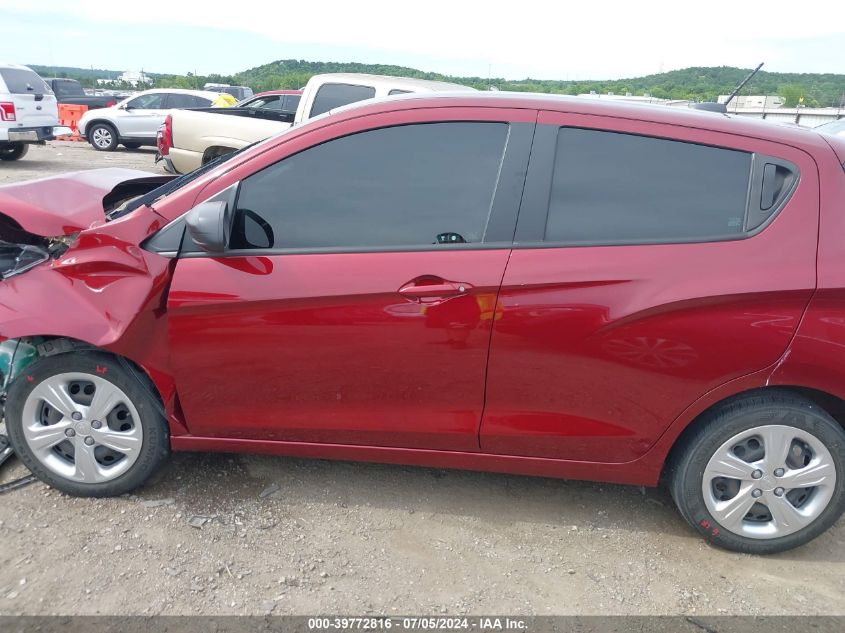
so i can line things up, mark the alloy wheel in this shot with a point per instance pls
(102, 137)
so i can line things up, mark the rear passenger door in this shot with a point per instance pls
(651, 264)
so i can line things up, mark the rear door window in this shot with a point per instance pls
(23, 81)
(176, 100)
(331, 96)
(615, 188)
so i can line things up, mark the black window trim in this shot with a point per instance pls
(501, 221)
(534, 211)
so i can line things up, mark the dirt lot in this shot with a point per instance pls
(220, 534)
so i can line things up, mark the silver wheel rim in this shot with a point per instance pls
(769, 481)
(101, 137)
(82, 427)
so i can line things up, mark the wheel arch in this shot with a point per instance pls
(214, 151)
(159, 385)
(829, 403)
(111, 124)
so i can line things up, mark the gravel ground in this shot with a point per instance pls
(222, 534)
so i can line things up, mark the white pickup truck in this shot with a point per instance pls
(191, 138)
(29, 113)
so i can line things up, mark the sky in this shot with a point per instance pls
(544, 39)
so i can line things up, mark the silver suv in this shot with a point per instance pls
(28, 111)
(135, 121)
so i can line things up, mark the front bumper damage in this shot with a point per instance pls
(96, 287)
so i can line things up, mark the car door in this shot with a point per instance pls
(652, 263)
(355, 300)
(143, 115)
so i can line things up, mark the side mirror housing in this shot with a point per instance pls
(208, 227)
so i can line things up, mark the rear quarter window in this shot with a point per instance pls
(331, 96)
(22, 81)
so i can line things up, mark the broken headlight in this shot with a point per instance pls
(17, 258)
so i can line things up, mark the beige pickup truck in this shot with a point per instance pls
(191, 138)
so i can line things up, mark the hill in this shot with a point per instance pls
(700, 84)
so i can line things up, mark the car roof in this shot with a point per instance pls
(277, 92)
(197, 93)
(389, 81)
(672, 115)
(15, 66)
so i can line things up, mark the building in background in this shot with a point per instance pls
(130, 77)
(754, 101)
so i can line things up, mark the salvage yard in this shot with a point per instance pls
(227, 534)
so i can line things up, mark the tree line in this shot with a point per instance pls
(696, 84)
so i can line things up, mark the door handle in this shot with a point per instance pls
(433, 287)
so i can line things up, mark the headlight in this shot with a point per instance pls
(17, 258)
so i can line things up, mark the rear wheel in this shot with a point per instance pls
(13, 151)
(103, 137)
(86, 424)
(762, 474)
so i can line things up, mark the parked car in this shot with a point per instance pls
(196, 138)
(135, 121)
(834, 127)
(538, 285)
(238, 92)
(70, 91)
(28, 111)
(283, 101)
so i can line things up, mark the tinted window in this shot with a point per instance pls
(22, 81)
(152, 101)
(67, 89)
(331, 96)
(271, 102)
(399, 186)
(616, 188)
(186, 101)
(291, 103)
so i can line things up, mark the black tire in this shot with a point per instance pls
(13, 151)
(131, 145)
(686, 471)
(102, 137)
(155, 445)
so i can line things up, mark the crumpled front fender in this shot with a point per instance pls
(105, 291)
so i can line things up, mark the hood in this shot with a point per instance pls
(72, 202)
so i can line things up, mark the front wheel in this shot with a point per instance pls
(763, 474)
(103, 137)
(13, 151)
(87, 424)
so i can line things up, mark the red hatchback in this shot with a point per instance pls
(546, 286)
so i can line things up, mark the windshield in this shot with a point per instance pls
(834, 127)
(177, 183)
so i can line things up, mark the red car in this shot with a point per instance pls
(547, 286)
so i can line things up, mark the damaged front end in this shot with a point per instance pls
(69, 272)
(20, 251)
